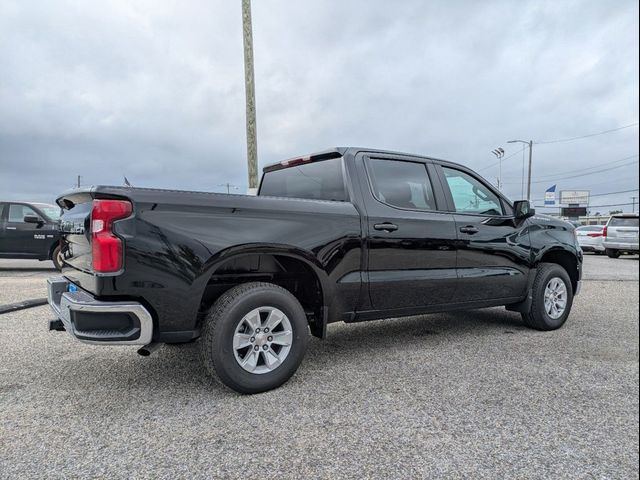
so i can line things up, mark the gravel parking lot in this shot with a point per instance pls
(472, 394)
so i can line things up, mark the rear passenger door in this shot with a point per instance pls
(411, 252)
(493, 249)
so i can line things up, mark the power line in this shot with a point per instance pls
(613, 193)
(571, 139)
(615, 180)
(543, 177)
(588, 173)
(580, 174)
(560, 140)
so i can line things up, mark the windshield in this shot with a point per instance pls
(51, 211)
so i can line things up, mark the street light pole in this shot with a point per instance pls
(499, 153)
(250, 92)
(229, 186)
(530, 143)
(529, 177)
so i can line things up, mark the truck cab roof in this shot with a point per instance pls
(336, 152)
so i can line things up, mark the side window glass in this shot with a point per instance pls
(470, 195)
(402, 184)
(18, 212)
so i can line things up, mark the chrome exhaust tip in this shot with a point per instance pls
(149, 349)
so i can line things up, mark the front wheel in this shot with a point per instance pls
(552, 298)
(612, 253)
(254, 337)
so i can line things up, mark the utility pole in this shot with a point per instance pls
(634, 204)
(250, 91)
(78, 184)
(529, 177)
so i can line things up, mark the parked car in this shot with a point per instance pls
(344, 235)
(591, 238)
(30, 230)
(621, 234)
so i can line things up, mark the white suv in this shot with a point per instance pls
(621, 234)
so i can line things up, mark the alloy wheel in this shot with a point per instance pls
(555, 298)
(262, 340)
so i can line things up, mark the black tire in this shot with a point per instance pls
(216, 341)
(537, 316)
(55, 258)
(612, 253)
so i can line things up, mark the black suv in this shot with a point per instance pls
(30, 230)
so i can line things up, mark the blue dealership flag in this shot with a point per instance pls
(550, 196)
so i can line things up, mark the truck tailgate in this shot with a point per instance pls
(92, 248)
(76, 236)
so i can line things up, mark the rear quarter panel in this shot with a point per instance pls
(175, 240)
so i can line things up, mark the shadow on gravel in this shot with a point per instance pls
(177, 369)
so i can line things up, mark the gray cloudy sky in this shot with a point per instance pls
(154, 89)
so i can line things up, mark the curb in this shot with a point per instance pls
(12, 307)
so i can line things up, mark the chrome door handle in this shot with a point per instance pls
(386, 226)
(11, 228)
(470, 229)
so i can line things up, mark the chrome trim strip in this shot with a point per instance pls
(82, 301)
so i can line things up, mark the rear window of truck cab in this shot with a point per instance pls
(319, 180)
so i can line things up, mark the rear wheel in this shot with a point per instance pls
(254, 337)
(56, 258)
(552, 298)
(612, 253)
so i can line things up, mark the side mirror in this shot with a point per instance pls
(32, 219)
(522, 209)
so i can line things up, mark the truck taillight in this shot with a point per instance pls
(106, 247)
(604, 231)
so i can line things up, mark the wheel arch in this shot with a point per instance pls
(294, 269)
(52, 247)
(566, 259)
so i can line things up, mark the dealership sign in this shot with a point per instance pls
(574, 197)
(550, 196)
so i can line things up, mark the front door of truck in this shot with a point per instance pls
(22, 238)
(411, 251)
(493, 249)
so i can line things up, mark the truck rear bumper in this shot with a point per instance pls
(95, 321)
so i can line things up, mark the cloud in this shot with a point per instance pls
(155, 91)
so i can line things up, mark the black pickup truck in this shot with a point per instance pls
(348, 234)
(30, 231)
